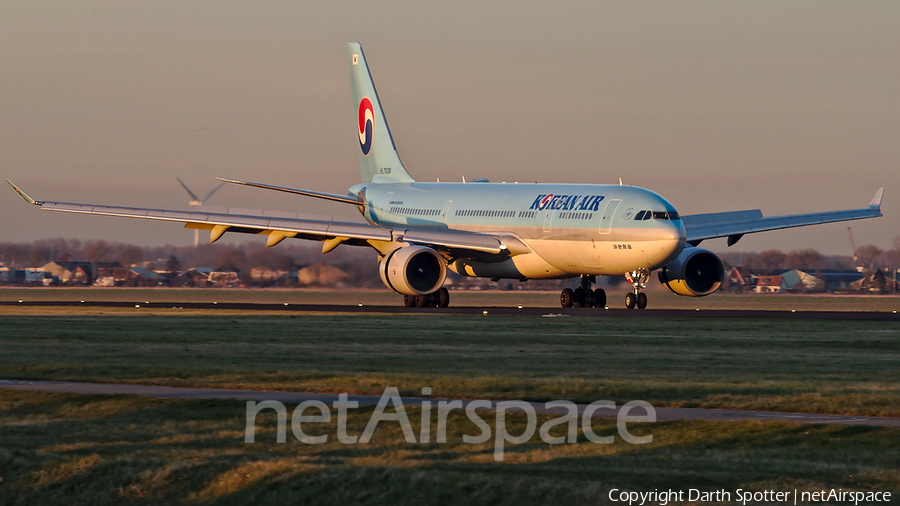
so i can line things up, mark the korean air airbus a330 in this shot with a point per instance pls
(497, 231)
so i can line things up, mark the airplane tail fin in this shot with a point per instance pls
(378, 158)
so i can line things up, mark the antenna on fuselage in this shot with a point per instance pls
(620, 182)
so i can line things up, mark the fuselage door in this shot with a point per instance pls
(548, 220)
(608, 212)
(386, 201)
(446, 210)
(385, 205)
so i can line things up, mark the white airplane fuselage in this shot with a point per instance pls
(570, 229)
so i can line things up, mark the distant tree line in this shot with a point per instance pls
(872, 270)
(287, 265)
(359, 264)
(869, 257)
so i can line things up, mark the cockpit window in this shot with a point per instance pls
(657, 215)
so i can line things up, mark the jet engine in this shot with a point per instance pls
(413, 270)
(696, 272)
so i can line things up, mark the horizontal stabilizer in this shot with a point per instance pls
(346, 199)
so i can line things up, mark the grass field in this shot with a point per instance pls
(839, 367)
(69, 449)
(659, 298)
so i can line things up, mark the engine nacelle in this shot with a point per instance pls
(696, 272)
(413, 270)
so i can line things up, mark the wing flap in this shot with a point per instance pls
(455, 240)
(300, 226)
(355, 231)
(238, 221)
(700, 219)
(125, 212)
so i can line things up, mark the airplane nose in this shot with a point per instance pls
(671, 237)
(671, 230)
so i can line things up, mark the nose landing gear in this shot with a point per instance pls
(583, 296)
(638, 279)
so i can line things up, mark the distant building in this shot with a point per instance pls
(105, 281)
(82, 273)
(321, 274)
(739, 278)
(267, 276)
(836, 281)
(196, 276)
(58, 272)
(27, 276)
(114, 269)
(142, 276)
(225, 279)
(769, 284)
(810, 281)
(802, 281)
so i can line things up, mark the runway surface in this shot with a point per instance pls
(479, 310)
(662, 414)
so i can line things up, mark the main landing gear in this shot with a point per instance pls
(583, 296)
(638, 279)
(440, 298)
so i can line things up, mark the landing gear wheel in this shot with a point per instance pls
(599, 297)
(567, 298)
(642, 300)
(638, 279)
(443, 297)
(579, 297)
(409, 300)
(630, 300)
(421, 301)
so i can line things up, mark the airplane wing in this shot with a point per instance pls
(735, 224)
(279, 226)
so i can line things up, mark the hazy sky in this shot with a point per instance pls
(788, 107)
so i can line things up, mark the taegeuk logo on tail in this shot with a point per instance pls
(366, 125)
